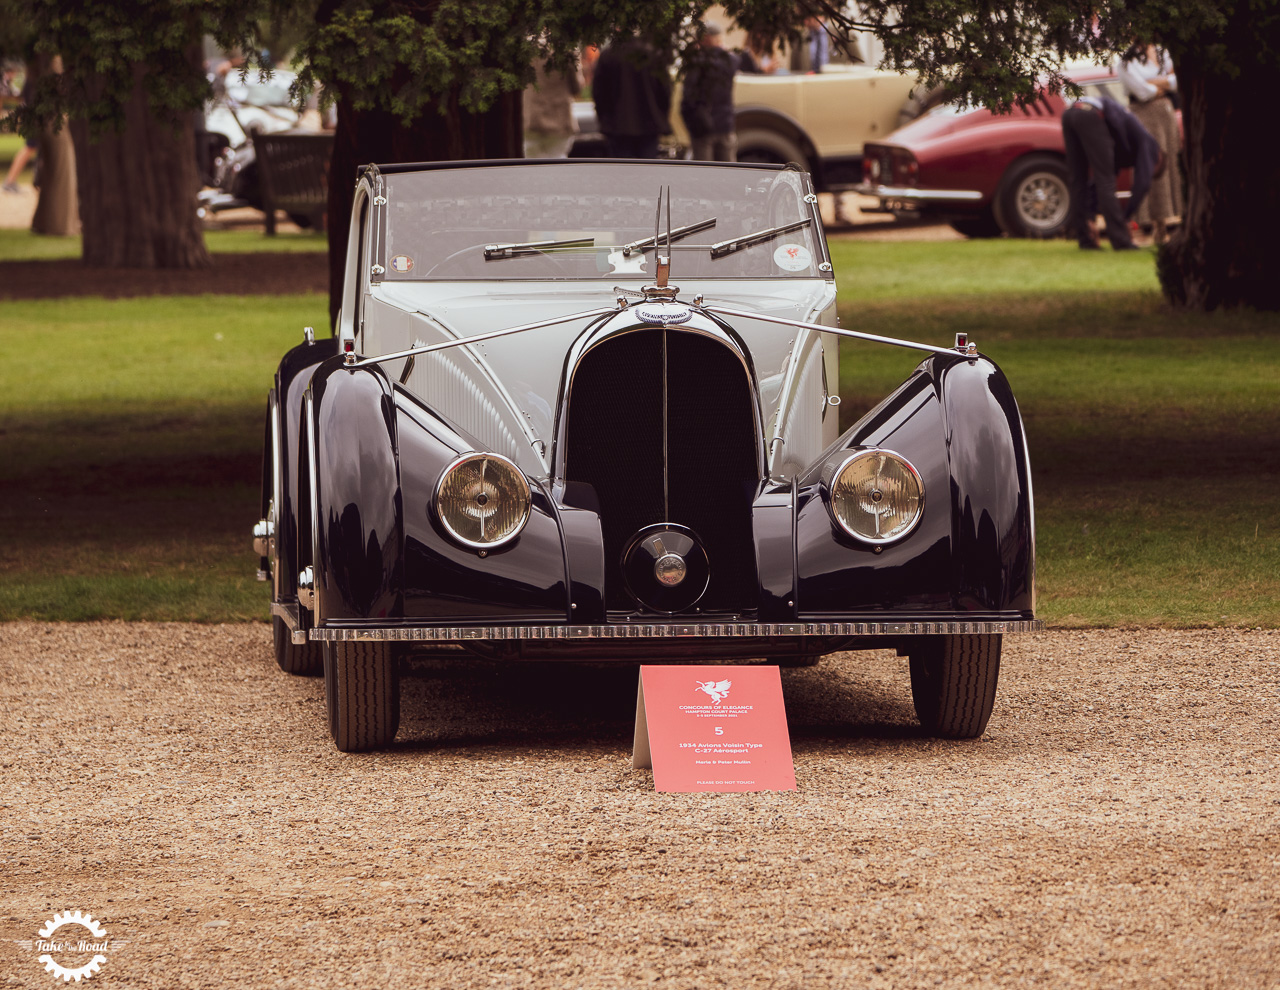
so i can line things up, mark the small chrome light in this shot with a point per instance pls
(875, 495)
(482, 500)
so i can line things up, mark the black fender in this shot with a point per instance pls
(524, 580)
(973, 552)
(284, 407)
(349, 433)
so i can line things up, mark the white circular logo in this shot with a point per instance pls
(663, 313)
(72, 945)
(792, 257)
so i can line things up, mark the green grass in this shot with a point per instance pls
(9, 145)
(22, 245)
(131, 434)
(129, 453)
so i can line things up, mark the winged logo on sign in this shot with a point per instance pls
(717, 690)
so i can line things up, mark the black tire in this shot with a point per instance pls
(1034, 198)
(953, 683)
(362, 694)
(304, 660)
(769, 148)
(983, 225)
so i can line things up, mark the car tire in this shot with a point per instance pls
(301, 659)
(953, 683)
(1034, 198)
(362, 694)
(770, 148)
(983, 225)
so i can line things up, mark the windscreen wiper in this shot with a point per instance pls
(675, 235)
(493, 252)
(746, 240)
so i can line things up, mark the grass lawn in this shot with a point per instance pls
(130, 439)
(22, 245)
(130, 452)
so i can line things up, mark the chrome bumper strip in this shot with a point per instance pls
(667, 630)
(911, 194)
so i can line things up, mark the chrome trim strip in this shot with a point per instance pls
(354, 362)
(823, 328)
(918, 195)
(668, 630)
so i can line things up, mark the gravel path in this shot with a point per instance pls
(1116, 827)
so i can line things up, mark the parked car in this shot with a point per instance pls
(820, 121)
(985, 173)
(242, 110)
(526, 441)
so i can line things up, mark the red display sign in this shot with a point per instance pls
(713, 729)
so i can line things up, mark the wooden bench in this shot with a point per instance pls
(294, 171)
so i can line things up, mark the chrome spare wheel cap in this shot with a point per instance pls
(665, 568)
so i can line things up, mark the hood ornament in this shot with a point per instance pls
(660, 290)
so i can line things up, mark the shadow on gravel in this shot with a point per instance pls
(446, 703)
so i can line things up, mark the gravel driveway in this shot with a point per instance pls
(1118, 826)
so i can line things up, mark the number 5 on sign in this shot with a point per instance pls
(713, 729)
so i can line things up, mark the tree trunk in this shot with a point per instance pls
(375, 136)
(57, 210)
(1224, 255)
(138, 189)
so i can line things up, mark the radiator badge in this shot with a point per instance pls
(663, 313)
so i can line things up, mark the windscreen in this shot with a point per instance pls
(586, 220)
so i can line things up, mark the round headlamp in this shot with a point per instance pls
(875, 496)
(482, 500)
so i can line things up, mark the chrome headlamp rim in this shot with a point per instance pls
(831, 477)
(525, 491)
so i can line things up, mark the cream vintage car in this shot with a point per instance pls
(820, 121)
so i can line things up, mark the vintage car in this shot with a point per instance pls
(588, 411)
(986, 173)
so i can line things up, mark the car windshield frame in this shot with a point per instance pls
(443, 221)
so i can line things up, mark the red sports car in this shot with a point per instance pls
(985, 173)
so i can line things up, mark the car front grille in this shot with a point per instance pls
(661, 423)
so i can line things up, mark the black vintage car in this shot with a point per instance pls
(525, 440)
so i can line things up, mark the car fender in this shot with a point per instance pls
(524, 580)
(356, 518)
(285, 407)
(973, 550)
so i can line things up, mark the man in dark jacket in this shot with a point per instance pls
(1103, 137)
(632, 93)
(707, 101)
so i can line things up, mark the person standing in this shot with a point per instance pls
(1102, 137)
(707, 101)
(632, 93)
(817, 43)
(1151, 84)
(549, 126)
